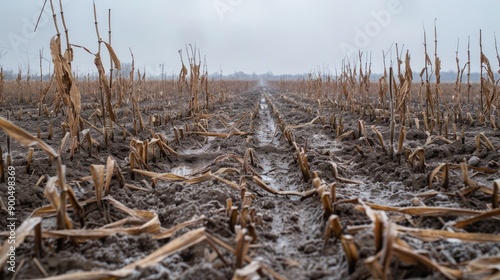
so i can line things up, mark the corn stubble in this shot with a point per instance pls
(402, 109)
(399, 106)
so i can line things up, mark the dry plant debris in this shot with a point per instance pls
(129, 177)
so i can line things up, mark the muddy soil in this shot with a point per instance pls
(290, 239)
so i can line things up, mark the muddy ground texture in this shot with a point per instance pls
(290, 238)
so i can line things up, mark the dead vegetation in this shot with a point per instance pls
(122, 138)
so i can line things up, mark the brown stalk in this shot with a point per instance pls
(253, 215)
(252, 233)
(431, 139)
(327, 204)
(303, 164)
(87, 136)
(483, 266)
(242, 246)
(248, 157)
(390, 235)
(494, 200)
(244, 216)
(316, 181)
(426, 211)
(361, 129)
(97, 172)
(51, 132)
(401, 139)
(167, 233)
(392, 119)
(63, 221)
(345, 135)
(67, 89)
(67, 190)
(467, 181)
(38, 240)
(341, 179)
(320, 190)
(2, 168)
(24, 137)
(242, 193)
(351, 252)
(265, 187)
(333, 195)
(229, 205)
(110, 168)
(446, 176)
(145, 151)
(444, 168)
(118, 175)
(487, 142)
(233, 218)
(20, 115)
(378, 229)
(416, 211)
(380, 138)
(228, 182)
(305, 124)
(333, 226)
(360, 150)
(148, 223)
(132, 165)
(434, 235)
(29, 158)
(419, 154)
(289, 136)
(487, 214)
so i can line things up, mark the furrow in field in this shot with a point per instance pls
(286, 215)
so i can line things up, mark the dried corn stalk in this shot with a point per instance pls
(350, 251)
(380, 138)
(494, 200)
(265, 187)
(22, 232)
(445, 174)
(97, 172)
(24, 137)
(341, 179)
(66, 87)
(419, 154)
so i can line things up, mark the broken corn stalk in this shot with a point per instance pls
(350, 251)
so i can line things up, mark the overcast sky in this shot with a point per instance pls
(281, 36)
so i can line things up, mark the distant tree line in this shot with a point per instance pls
(9, 74)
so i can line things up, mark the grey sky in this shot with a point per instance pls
(282, 36)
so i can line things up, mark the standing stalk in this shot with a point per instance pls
(458, 79)
(111, 68)
(481, 56)
(392, 109)
(69, 56)
(9, 156)
(437, 66)
(2, 168)
(41, 78)
(429, 108)
(103, 107)
(468, 70)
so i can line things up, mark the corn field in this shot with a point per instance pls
(325, 177)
